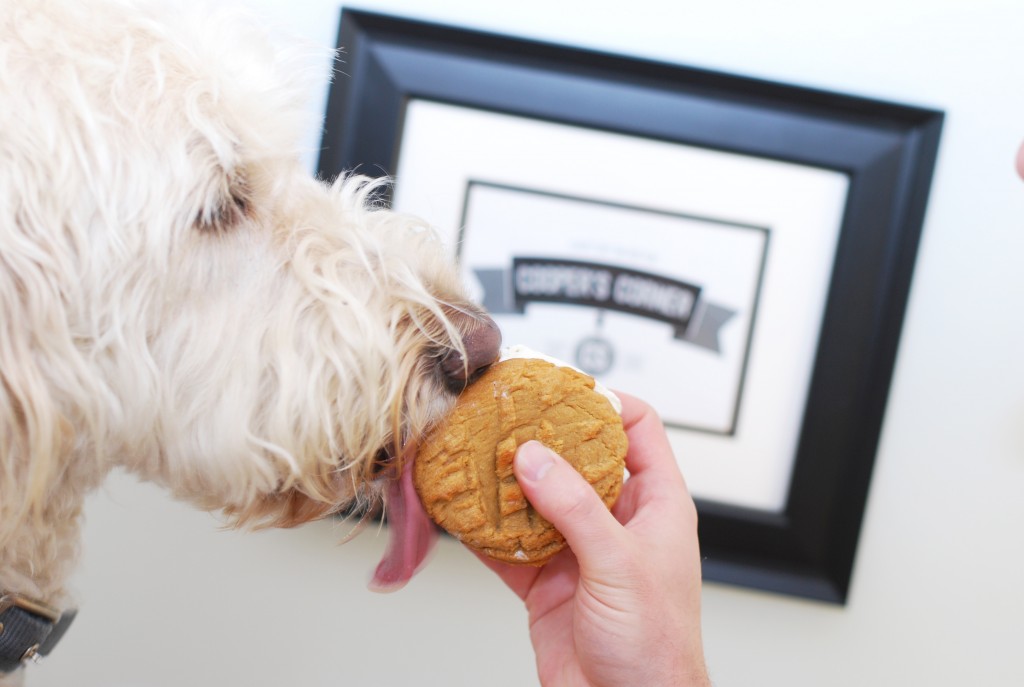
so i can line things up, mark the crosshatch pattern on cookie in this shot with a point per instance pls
(463, 472)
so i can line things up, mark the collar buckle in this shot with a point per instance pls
(9, 600)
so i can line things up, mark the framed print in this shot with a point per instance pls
(737, 253)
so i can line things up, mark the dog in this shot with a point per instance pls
(181, 299)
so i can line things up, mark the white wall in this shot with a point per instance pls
(937, 595)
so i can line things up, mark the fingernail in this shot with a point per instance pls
(534, 460)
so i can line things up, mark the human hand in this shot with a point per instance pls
(621, 606)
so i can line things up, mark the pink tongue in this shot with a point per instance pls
(412, 535)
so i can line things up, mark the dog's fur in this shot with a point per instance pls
(178, 297)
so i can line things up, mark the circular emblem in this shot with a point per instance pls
(595, 355)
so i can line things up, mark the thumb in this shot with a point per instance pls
(560, 494)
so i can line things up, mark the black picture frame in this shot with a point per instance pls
(888, 150)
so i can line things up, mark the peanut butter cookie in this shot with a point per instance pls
(463, 469)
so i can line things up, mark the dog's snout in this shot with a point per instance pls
(482, 342)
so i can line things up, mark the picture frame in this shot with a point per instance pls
(829, 189)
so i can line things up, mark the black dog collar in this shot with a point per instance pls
(28, 630)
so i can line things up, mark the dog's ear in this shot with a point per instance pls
(38, 364)
(228, 205)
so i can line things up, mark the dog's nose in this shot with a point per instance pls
(482, 341)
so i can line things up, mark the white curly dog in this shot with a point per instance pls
(181, 299)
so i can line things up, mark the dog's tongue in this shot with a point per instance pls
(411, 534)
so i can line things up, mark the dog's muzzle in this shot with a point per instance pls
(412, 534)
(482, 343)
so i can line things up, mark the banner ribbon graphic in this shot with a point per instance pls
(610, 287)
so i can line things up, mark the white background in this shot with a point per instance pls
(937, 596)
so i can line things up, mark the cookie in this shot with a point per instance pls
(463, 469)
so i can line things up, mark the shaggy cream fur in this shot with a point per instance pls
(178, 297)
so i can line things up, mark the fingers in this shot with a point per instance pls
(649, 448)
(654, 494)
(568, 501)
(655, 491)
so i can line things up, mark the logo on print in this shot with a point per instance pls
(661, 305)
